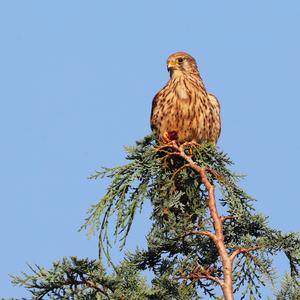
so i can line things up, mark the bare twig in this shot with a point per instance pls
(199, 272)
(207, 233)
(179, 170)
(242, 250)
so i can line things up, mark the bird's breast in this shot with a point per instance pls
(182, 92)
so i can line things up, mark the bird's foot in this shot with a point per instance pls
(188, 147)
(168, 141)
(169, 136)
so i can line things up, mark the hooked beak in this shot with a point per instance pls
(171, 65)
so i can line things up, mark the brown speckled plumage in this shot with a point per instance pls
(183, 109)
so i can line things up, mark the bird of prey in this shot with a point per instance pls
(183, 111)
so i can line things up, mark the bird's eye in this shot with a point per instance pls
(180, 59)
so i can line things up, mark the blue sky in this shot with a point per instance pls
(77, 81)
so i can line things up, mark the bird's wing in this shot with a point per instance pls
(154, 104)
(216, 115)
(214, 101)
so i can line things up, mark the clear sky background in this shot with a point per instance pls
(77, 80)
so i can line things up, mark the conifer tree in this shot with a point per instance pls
(192, 248)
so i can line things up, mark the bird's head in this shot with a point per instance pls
(181, 62)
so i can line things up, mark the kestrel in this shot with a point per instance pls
(183, 110)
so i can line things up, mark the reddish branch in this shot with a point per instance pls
(218, 235)
(207, 233)
(242, 250)
(198, 272)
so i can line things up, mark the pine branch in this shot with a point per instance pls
(192, 247)
(181, 182)
(67, 278)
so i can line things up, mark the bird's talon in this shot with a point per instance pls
(166, 137)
